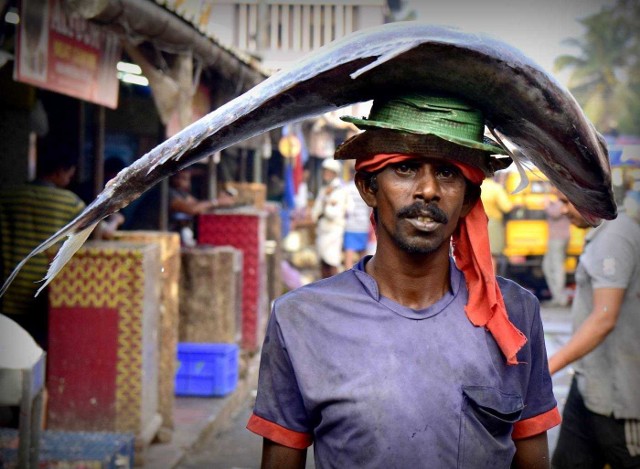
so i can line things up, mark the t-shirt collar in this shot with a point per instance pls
(371, 288)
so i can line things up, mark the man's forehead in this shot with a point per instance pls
(431, 159)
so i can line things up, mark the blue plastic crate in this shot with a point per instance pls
(104, 450)
(206, 369)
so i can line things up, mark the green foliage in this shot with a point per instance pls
(605, 74)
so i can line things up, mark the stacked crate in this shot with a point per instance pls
(169, 245)
(273, 252)
(244, 229)
(103, 348)
(73, 450)
(211, 294)
(250, 193)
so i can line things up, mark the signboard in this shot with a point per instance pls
(66, 54)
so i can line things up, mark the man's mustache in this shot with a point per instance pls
(419, 209)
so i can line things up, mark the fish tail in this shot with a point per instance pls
(41, 248)
(65, 253)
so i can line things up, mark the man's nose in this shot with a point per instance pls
(426, 186)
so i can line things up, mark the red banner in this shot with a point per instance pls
(64, 53)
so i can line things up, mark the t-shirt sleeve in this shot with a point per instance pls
(279, 413)
(612, 267)
(540, 407)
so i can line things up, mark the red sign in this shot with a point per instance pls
(65, 53)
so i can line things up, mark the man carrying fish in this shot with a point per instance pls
(412, 358)
(417, 356)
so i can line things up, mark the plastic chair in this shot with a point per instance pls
(22, 382)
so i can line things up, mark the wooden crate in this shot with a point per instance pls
(250, 193)
(169, 244)
(273, 252)
(211, 294)
(73, 450)
(244, 229)
(103, 346)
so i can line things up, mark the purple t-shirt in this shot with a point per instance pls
(372, 383)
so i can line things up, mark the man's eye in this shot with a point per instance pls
(448, 172)
(404, 168)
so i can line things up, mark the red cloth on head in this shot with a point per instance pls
(472, 255)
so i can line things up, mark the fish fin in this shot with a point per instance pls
(65, 253)
(382, 59)
(515, 157)
(39, 249)
(524, 179)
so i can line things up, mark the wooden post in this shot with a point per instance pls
(98, 160)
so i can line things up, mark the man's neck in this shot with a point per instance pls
(51, 180)
(412, 280)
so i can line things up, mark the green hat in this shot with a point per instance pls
(421, 124)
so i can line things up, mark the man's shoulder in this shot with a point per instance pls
(35, 190)
(518, 300)
(66, 196)
(512, 288)
(615, 235)
(324, 291)
(624, 225)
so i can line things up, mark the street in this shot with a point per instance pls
(237, 448)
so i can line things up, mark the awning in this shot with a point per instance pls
(145, 20)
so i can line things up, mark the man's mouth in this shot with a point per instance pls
(423, 218)
(423, 223)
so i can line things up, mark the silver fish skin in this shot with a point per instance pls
(523, 105)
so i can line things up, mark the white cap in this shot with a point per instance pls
(332, 165)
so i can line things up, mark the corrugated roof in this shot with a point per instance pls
(196, 13)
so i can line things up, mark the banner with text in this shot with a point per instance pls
(64, 53)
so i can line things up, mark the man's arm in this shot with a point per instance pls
(190, 205)
(277, 456)
(532, 453)
(593, 331)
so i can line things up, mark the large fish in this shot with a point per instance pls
(523, 105)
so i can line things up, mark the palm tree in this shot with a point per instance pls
(602, 73)
(629, 17)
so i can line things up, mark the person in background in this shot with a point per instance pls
(631, 201)
(418, 356)
(496, 204)
(29, 214)
(601, 418)
(554, 258)
(329, 213)
(358, 224)
(183, 206)
(302, 196)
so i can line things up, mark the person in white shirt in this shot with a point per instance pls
(329, 213)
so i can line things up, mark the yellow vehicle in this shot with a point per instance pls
(526, 232)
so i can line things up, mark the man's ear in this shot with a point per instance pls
(368, 187)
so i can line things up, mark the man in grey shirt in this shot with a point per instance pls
(601, 420)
